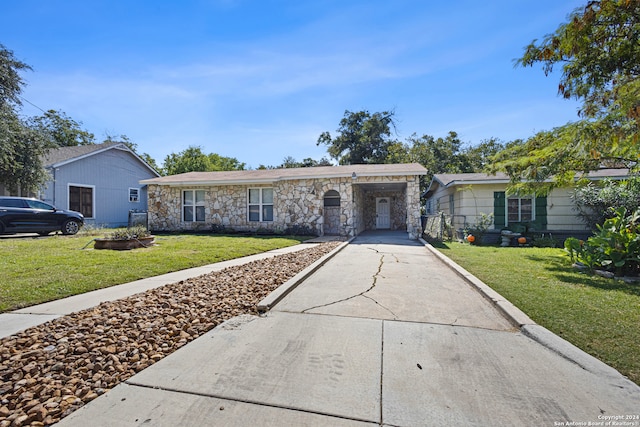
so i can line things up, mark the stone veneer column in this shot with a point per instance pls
(414, 227)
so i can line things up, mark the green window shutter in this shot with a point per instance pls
(499, 201)
(541, 212)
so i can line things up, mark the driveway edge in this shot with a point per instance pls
(516, 316)
(538, 333)
(276, 296)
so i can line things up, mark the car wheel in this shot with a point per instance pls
(70, 226)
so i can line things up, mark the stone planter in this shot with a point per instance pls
(123, 245)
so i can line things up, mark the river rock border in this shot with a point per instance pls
(49, 371)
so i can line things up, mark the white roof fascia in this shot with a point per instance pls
(506, 181)
(473, 182)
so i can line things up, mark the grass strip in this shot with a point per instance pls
(601, 316)
(37, 270)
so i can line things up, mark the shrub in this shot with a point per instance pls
(480, 227)
(614, 247)
(545, 242)
(597, 203)
(129, 233)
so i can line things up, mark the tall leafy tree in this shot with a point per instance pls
(193, 159)
(478, 157)
(290, 162)
(598, 50)
(21, 148)
(21, 153)
(438, 155)
(362, 138)
(11, 82)
(61, 130)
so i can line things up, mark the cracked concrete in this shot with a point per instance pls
(363, 294)
(371, 279)
(369, 339)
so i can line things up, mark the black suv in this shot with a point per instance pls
(24, 215)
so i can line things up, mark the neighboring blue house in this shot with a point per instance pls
(102, 181)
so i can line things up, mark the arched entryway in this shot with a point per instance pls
(331, 213)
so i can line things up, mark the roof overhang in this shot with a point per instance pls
(262, 177)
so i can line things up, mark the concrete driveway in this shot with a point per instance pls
(383, 334)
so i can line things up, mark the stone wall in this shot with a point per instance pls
(297, 203)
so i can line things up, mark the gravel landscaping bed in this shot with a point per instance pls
(48, 371)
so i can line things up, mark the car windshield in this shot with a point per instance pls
(36, 204)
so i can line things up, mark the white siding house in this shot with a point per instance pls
(467, 196)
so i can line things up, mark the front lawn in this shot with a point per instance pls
(598, 315)
(33, 270)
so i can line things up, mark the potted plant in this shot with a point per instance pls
(129, 238)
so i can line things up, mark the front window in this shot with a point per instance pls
(261, 204)
(193, 205)
(520, 209)
(81, 200)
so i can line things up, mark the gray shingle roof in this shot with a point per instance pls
(64, 154)
(271, 175)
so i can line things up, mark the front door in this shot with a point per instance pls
(383, 217)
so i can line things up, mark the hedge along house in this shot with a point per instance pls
(465, 197)
(326, 200)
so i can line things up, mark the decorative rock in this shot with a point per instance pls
(44, 378)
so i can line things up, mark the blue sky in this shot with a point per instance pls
(260, 80)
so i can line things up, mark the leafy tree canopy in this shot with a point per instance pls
(444, 155)
(21, 148)
(61, 130)
(193, 159)
(21, 153)
(290, 162)
(11, 82)
(599, 52)
(597, 203)
(363, 138)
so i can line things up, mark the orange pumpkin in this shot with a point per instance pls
(522, 240)
(471, 238)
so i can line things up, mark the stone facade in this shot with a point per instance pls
(297, 203)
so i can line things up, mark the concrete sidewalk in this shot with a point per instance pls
(385, 333)
(18, 320)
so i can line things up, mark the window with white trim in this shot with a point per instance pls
(193, 205)
(260, 204)
(134, 195)
(81, 200)
(520, 209)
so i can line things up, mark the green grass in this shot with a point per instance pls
(33, 271)
(600, 316)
